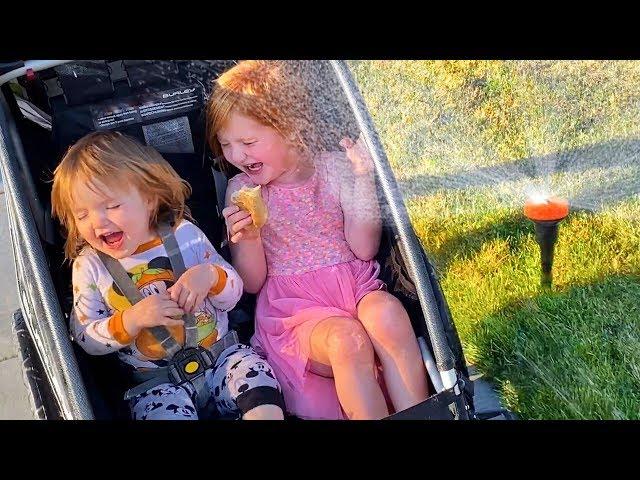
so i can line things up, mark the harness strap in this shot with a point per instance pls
(126, 286)
(157, 376)
(177, 265)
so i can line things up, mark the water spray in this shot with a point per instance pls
(546, 213)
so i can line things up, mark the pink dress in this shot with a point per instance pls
(312, 275)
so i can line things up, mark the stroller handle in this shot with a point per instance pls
(35, 65)
(407, 241)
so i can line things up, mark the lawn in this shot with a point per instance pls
(469, 140)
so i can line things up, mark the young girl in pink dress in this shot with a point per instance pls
(322, 315)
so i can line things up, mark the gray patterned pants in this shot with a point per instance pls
(239, 381)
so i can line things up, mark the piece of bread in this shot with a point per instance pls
(250, 199)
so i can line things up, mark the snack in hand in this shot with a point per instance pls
(250, 199)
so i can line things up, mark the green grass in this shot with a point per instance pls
(459, 136)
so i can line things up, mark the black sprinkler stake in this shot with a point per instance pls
(546, 214)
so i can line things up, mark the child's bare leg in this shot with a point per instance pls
(389, 328)
(343, 344)
(264, 412)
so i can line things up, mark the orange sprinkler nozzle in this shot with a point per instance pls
(546, 210)
(546, 214)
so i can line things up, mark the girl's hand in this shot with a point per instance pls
(357, 153)
(239, 224)
(193, 286)
(152, 311)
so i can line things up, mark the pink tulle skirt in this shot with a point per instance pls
(288, 308)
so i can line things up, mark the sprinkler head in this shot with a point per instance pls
(546, 209)
(546, 213)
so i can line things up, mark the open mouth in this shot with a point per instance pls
(113, 240)
(254, 167)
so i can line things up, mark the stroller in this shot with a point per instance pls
(45, 106)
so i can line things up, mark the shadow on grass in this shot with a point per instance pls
(606, 155)
(572, 354)
(513, 229)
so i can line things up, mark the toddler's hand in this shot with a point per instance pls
(193, 286)
(239, 224)
(152, 311)
(361, 161)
